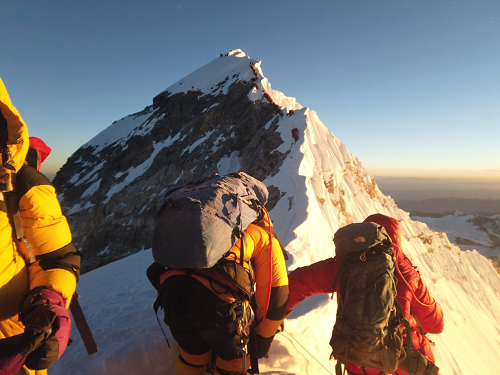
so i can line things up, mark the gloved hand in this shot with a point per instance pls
(48, 327)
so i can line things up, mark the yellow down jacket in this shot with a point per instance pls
(44, 226)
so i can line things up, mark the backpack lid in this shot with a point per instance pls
(199, 223)
(360, 237)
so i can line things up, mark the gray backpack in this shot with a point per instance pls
(199, 223)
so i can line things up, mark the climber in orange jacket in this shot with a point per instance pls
(413, 295)
(39, 265)
(199, 303)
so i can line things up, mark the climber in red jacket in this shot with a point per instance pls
(413, 295)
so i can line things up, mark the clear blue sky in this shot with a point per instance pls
(411, 87)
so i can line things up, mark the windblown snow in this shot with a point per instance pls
(325, 187)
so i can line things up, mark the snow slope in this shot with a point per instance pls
(325, 187)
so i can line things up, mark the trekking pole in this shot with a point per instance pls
(82, 325)
(291, 338)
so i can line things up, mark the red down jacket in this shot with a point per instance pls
(413, 295)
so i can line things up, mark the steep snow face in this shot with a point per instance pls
(336, 188)
(316, 185)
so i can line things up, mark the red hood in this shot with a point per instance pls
(41, 147)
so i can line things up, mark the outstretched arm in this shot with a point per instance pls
(318, 278)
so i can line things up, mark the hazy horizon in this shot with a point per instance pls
(416, 188)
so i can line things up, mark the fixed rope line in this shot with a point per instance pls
(290, 337)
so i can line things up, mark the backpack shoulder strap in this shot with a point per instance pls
(12, 202)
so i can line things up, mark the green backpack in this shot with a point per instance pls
(368, 329)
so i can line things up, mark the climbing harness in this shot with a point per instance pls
(242, 328)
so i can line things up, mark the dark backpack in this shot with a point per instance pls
(367, 331)
(198, 224)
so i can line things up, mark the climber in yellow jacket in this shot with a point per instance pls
(39, 265)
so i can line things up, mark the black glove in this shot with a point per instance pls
(15, 351)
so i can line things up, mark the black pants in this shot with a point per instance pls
(198, 319)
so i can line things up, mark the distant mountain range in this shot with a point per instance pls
(438, 207)
(401, 193)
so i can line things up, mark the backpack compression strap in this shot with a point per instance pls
(420, 328)
(17, 225)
